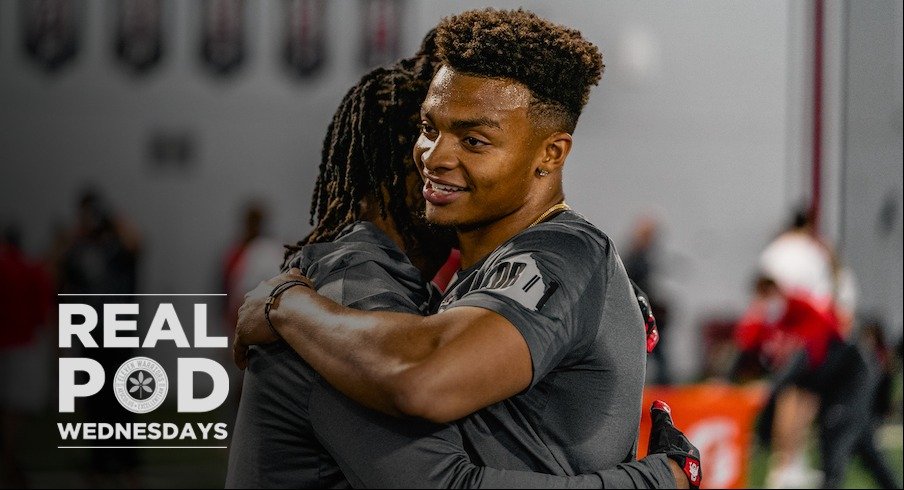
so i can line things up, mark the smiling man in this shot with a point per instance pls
(540, 336)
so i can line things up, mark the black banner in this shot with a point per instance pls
(52, 31)
(223, 35)
(139, 33)
(381, 31)
(304, 47)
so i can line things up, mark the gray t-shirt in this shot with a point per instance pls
(294, 430)
(563, 286)
(274, 443)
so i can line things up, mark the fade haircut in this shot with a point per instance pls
(554, 62)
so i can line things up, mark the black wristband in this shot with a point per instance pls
(281, 288)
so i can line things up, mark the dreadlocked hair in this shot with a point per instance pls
(368, 148)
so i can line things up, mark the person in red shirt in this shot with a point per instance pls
(790, 337)
(26, 294)
(780, 325)
(818, 377)
(26, 302)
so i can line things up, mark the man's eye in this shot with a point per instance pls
(474, 142)
(427, 128)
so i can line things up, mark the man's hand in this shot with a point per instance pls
(252, 327)
(666, 439)
(649, 320)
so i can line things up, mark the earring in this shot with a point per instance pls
(542, 173)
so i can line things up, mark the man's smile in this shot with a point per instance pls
(440, 193)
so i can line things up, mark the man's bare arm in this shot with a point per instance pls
(440, 367)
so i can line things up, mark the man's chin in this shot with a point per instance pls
(437, 217)
(428, 231)
(449, 221)
(441, 236)
(444, 217)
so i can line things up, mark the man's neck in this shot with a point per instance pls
(478, 242)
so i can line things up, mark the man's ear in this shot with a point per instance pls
(555, 150)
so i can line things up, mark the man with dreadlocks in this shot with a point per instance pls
(293, 429)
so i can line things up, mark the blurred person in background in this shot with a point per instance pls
(641, 264)
(845, 294)
(790, 338)
(251, 259)
(816, 376)
(101, 258)
(254, 257)
(805, 265)
(880, 359)
(26, 305)
(800, 262)
(102, 253)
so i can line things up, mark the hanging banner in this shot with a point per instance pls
(381, 32)
(52, 31)
(223, 35)
(304, 47)
(139, 33)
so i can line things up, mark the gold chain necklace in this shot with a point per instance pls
(558, 207)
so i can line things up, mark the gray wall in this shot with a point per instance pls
(873, 158)
(698, 120)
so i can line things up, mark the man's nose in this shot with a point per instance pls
(440, 154)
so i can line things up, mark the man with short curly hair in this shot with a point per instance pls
(539, 337)
(555, 62)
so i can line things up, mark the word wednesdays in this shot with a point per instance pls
(141, 431)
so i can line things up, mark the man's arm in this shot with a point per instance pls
(379, 451)
(374, 450)
(433, 367)
(499, 335)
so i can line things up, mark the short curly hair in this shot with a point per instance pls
(555, 62)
